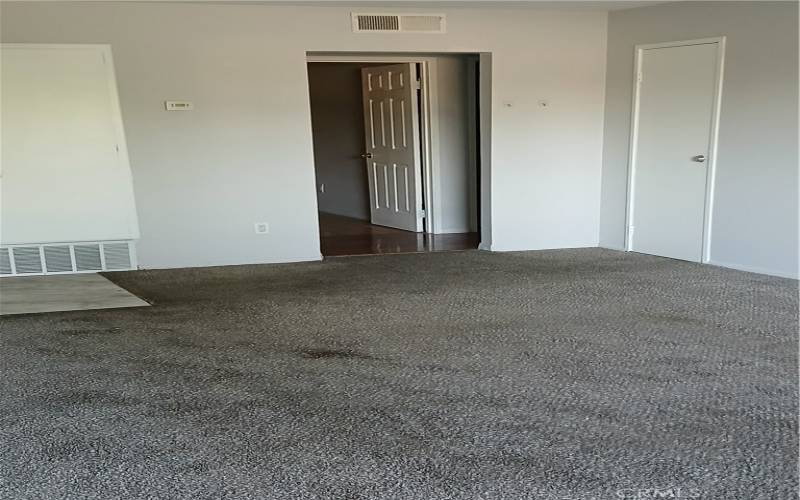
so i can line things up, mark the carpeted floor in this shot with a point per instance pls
(579, 374)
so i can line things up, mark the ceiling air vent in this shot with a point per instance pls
(399, 23)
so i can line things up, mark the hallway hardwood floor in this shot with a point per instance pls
(341, 235)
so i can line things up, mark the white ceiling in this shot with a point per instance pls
(579, 4)
(419, 4)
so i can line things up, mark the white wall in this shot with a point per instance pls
(65, 171)
(755, 216)
(244, 155)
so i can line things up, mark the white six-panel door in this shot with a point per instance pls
(393, 146)
(672, 145)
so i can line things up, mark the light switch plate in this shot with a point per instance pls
(179, 105)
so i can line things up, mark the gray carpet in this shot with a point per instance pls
(583, 374)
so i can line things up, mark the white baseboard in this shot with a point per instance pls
(613, 247)
(738, 267)
(496, 248)
(453, 230)
(290, 260)
(753, 269)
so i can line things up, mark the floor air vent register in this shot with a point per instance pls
(66, 258)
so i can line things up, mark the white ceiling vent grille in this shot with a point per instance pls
(398, 23)
(369, 22)
(67, 258)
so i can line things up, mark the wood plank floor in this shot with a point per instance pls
(346, 236)
(64, 292)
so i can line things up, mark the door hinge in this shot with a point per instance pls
(639, 77)
(422, 213)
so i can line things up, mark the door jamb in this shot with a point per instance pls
(713, 139)
(429, 121)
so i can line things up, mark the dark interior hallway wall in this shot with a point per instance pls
(337, 121)
(338, 127)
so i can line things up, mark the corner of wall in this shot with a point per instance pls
(603, 129)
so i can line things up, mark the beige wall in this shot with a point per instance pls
(244, 155)
(755, 215)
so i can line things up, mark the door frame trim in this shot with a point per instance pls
(429, 122)
(713, 137)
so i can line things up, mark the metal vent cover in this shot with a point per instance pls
(87, 258)
(398, 23)
(117, 256)
(5, 261)
(376, 22)
(62, 258)
(57, 258)
(27, 260)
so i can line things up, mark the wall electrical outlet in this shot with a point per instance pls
(262, 228)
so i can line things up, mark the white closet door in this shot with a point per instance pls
(65, 171)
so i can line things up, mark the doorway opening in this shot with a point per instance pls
(397, 152)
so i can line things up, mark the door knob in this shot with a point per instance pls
(699, 158)
(366, 155)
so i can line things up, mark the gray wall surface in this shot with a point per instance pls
(755, 214)
(337, 121)
(452, 197)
